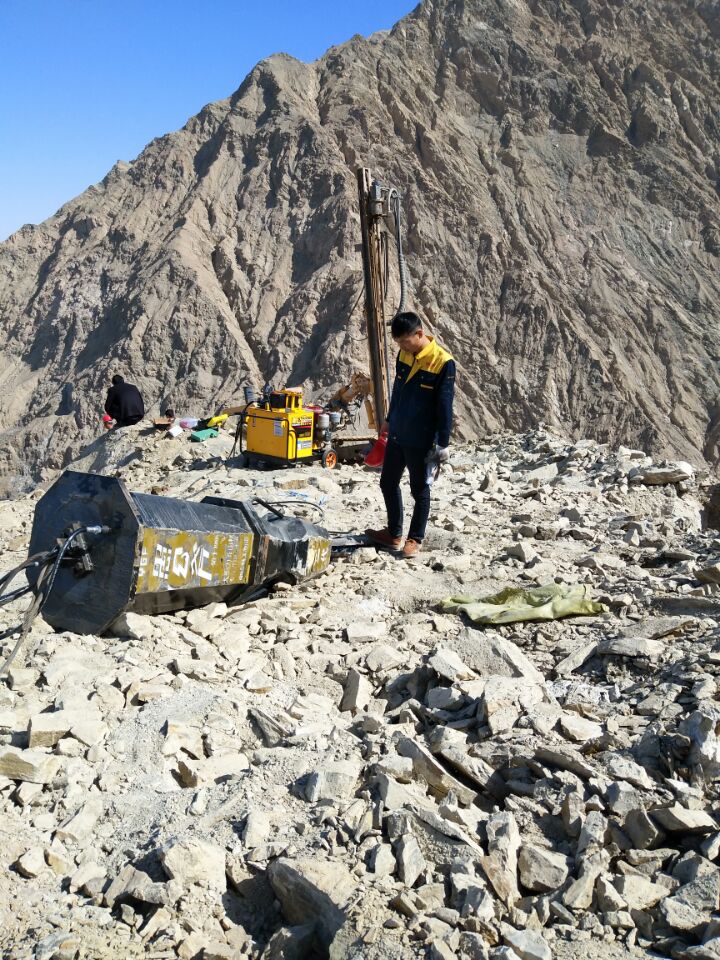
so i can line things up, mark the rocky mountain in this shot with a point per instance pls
(558, 161)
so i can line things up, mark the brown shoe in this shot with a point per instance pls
(411, 548)
(382, 538)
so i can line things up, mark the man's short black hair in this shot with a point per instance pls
(404, 323)
(117, 379)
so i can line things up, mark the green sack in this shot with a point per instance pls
(515, 604)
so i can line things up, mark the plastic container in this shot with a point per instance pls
(376, 455)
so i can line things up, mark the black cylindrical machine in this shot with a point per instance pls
(150, 554)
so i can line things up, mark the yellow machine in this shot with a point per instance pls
(280, 430)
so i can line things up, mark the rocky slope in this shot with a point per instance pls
(558, 161)
(343, 769)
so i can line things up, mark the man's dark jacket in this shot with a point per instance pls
(124, 404)
(421, 404)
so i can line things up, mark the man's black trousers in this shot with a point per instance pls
(397, 458)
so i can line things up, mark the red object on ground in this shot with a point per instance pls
(376, 455)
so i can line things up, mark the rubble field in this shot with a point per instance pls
(343, 769)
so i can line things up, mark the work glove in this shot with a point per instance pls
(438, 455)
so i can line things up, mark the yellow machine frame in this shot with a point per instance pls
(282, 430)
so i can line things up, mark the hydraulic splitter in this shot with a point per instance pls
(112, 551)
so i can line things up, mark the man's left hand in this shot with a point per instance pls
(438, 455)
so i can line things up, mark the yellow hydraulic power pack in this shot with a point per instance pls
(280, 430)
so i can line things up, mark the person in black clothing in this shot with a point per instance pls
(418, 425)
(124, 403)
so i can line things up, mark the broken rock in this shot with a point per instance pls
(335, 781)
(541, 870)
(528, 944)
(358, 692)
(410, 861)
(313, 889)
(195, 861)
(500, 864)
(639, 893)
(31, 766)
(677, 819)
(447, 664)
(427, 768)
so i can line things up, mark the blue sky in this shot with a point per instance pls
(84, 83)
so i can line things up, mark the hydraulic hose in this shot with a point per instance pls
(394, 198)
(49, 564)
(37, 560)
(14, 595)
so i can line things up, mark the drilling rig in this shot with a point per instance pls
(280, 428)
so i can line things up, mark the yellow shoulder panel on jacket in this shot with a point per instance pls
(436, 359)
(443, 353)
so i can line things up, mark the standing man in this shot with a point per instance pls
(124, 403)
(418, 423)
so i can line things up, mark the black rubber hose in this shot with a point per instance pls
(35, 561)
(28, 619)
(42, 591)
(14, 595)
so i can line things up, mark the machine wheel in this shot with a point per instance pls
(329, 459)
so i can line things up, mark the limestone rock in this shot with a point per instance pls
(486, 653)
(317, 889)
(31, 766)
(631, 647)
(541, 870)
(689, 908)
(639, 893)
(501, 862)
(680, 819)
(290, 943)
(641, 829)
(426, 767)
(196, 773)
(357, 692)
(382, 861)
(528, 944)
(410, 861)
(448, 665)
(623, 768)
(80, 826)
(335, 781)
(365, 632)
(45, 729)
(257, 829)
(655, 474)
(194, 861)
(579, 729)
(31, 863)
(133, 625)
